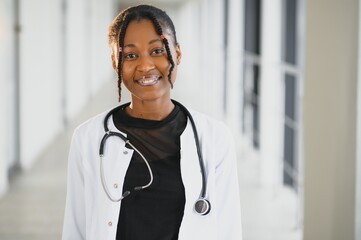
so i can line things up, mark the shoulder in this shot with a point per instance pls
(206, 122)
(91, 126)
(211, 128)
(215, 137)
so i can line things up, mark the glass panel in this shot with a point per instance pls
(252, 26)
(251, 102)
(290, 53)
(290, 92)
(255, 103)
(290, 128)
(289, 156)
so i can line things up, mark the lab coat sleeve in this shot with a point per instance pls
(74, 219)
(227, 190)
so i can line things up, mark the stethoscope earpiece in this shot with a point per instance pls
(202, 206)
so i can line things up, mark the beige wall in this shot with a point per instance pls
(330, 119)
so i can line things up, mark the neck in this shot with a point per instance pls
(151, 110)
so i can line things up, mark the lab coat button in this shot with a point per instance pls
(115, 185)
(125, 152)
(110, 224)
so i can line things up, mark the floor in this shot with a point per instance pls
(33, 208)
(267, 213)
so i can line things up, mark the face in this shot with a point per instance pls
(145, 63)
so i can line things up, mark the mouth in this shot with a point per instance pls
(149, 80)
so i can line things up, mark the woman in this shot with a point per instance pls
(135, 172)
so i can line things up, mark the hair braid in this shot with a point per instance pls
(159, 30)
(170, 58)
(120, 58)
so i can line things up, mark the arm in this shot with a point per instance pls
(228, 201)
(74, 219)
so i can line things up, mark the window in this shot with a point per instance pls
(291, 77)
(251, 78)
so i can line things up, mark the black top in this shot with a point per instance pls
(154, 213)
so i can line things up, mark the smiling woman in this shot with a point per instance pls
(162, 172)
(146, 66)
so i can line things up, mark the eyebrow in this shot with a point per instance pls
(131, 45)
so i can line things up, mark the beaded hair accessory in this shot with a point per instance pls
(120, 49)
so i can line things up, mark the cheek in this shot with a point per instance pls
(164, 62)
(163, 65)
(127, 70)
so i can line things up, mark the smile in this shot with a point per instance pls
(148, 80)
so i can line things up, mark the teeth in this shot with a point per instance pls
(148, 80)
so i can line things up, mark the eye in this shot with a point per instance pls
(158, 51)
(130, 56)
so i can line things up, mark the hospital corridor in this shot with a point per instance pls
(33, 208)
(283, 75)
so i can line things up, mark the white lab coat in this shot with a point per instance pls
(90, 215)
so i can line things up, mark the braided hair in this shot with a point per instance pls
(161, 22)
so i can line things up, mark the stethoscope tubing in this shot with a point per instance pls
(101, 155)
(202, 205)
(199, 152)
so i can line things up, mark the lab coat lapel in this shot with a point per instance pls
(194, 225)
(115, 164)
(192, 179)
(116, 161)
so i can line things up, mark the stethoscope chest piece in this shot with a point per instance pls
(202, 206)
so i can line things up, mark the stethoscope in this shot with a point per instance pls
(201, 206)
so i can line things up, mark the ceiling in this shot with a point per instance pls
(155, 2)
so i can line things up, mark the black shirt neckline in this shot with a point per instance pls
(122, 117)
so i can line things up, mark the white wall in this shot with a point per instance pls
(64, 60)
(3, 101)
(101, 69)
(78, 63)
(199, 28)
(40, 76)
(272, 95)
(87, 66)
(188, 26)
(3, 167)
(88, 62)
(235, 54)
(6, 90)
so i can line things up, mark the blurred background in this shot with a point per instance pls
(283, 74)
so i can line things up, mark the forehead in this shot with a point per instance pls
(140, 29)
(144, 29)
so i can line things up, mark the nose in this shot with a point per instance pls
(146, 64)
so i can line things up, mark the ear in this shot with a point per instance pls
(114, 62)
(114, 55)
(178, 54)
